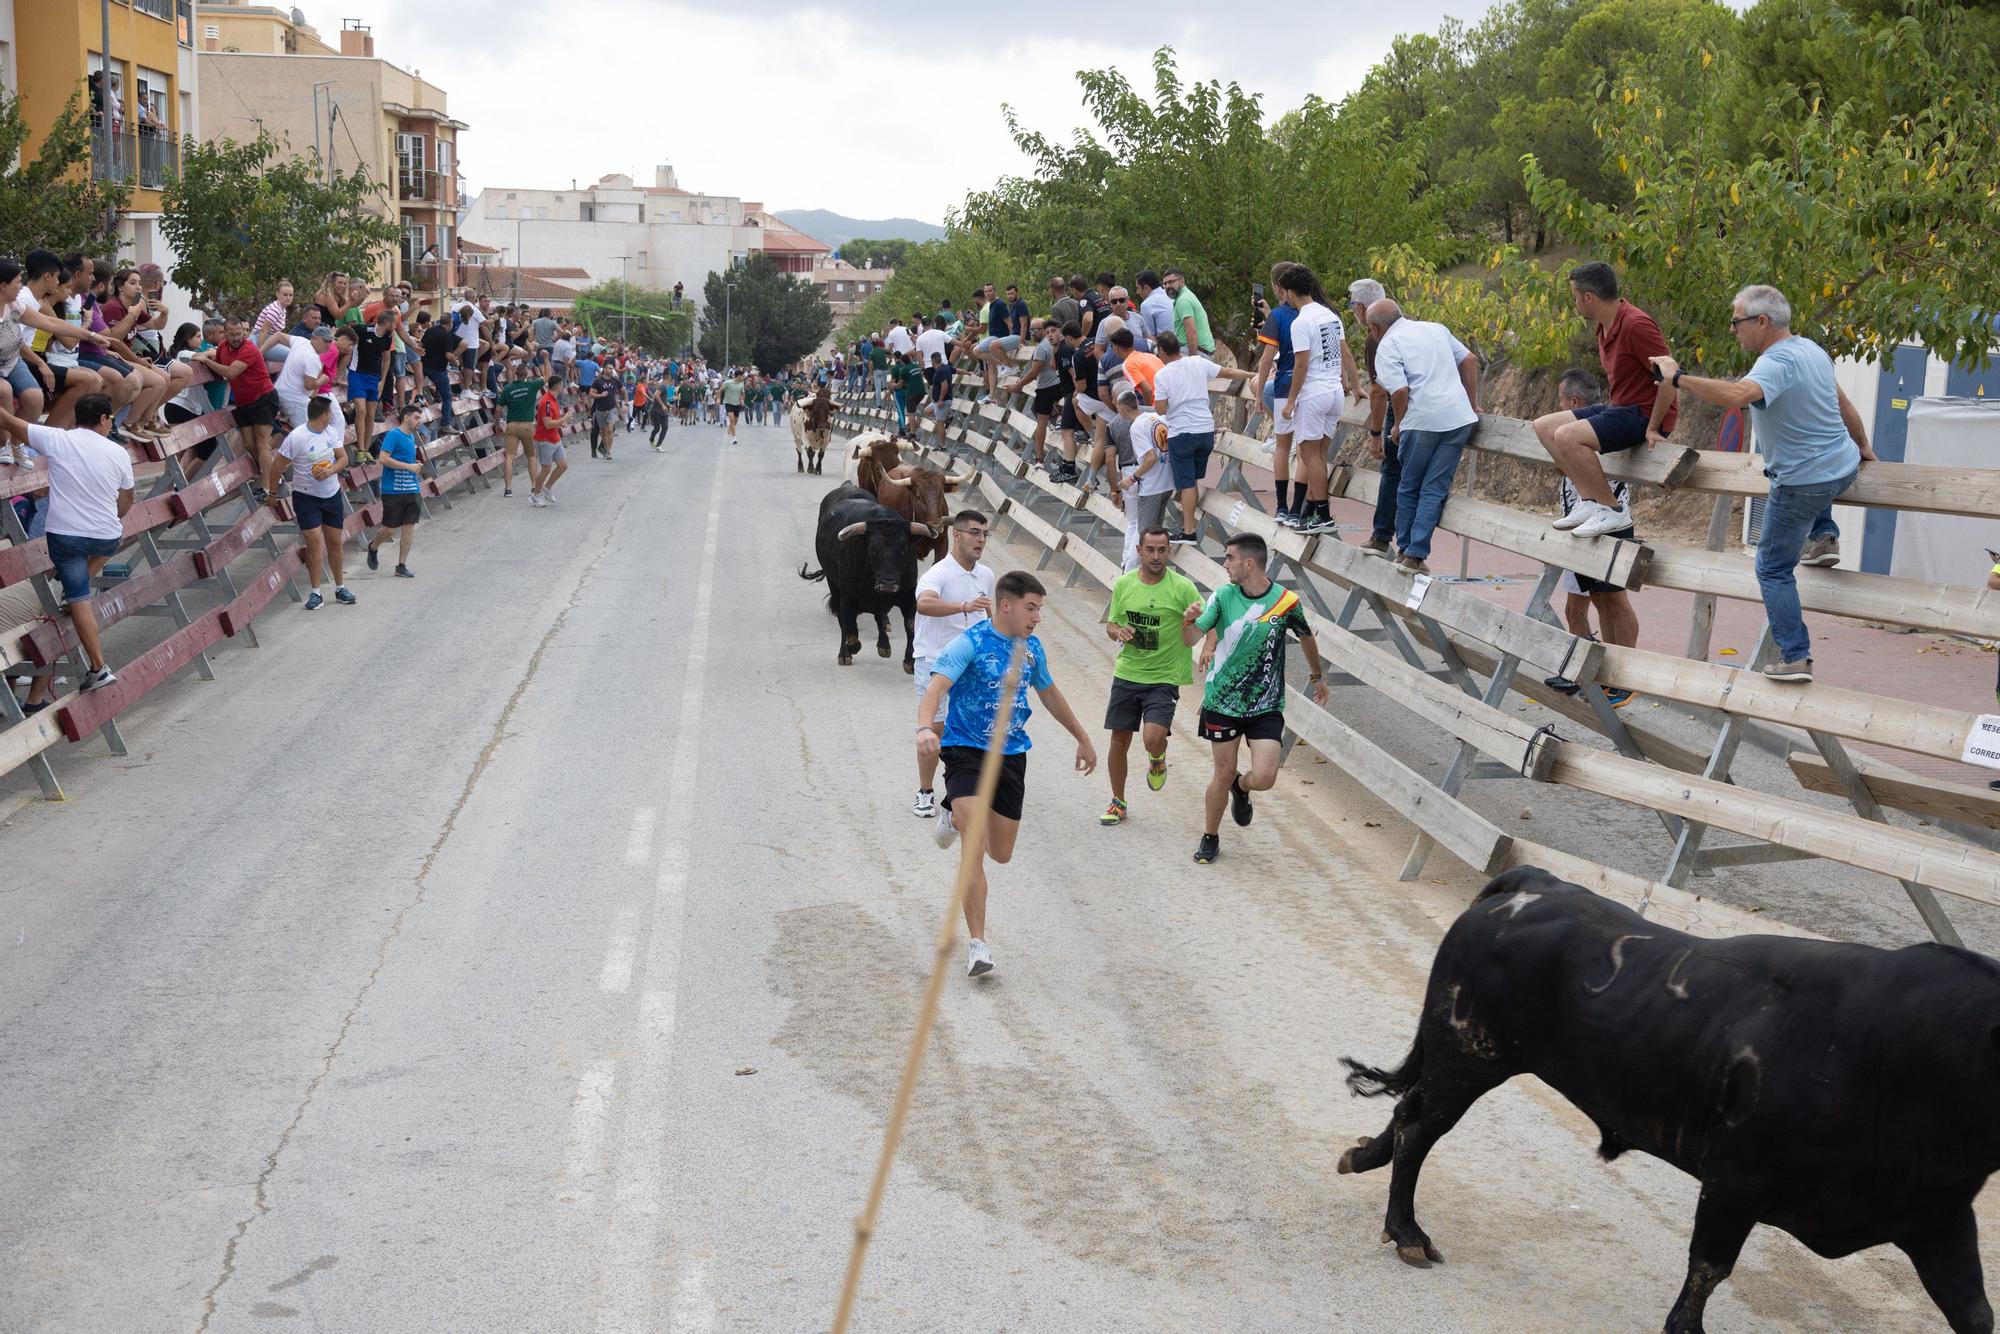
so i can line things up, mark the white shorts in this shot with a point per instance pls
(1281, 421)
(1569, 584)
(921, 667)
(1088, 407)
(1315, 418)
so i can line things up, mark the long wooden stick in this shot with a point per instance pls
(972, 847)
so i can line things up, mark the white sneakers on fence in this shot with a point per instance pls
(1590, 518)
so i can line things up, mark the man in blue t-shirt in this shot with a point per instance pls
(1813, 442)
(586, 370)
(972, 668)
(402, 487)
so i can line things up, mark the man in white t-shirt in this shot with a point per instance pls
(898, 339)
(90, 489)
(954, 595)
(1180, 396)
(933, 339)
(469, 320)
(1322, 371)
(1144, 487)
(317, 452)
(303, 374)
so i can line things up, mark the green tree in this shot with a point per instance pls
(1879, 232)
(772, 318)
(931, 274)
(867, 253)
(245, 216)
(640, 316)
(49, 201)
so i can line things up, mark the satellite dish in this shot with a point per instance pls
(299, 17)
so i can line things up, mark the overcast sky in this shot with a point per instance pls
(798, 106)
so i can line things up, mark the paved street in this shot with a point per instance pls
(535, 945)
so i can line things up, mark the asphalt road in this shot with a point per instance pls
(535, 945)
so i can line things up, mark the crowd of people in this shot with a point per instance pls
(355, 376)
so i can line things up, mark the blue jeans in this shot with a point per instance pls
(1392, 480)
(1793, 516)
(441, 381)
(1430, 461)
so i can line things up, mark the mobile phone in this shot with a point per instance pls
(1257, 290)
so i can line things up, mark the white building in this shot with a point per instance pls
(652, 235)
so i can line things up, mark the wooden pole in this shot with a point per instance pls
(972, 847)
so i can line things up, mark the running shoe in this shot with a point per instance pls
(1617, 696)
(98, 679)
(1376, 546)
(1239, 801)
(314, 601)
(1606, 520)
(1821, 551)
(404, 572)
(344, 596)
(1582, 510)
(946, 831)
(535, 500)
(1283, 518)
(1183, 539)
(1562, 683)
(1113, 814)
(374, 559)
(548, 495)
(506, 492)
(1798, 672)
(925, 805)
(1156, 772)
(978, 959)
(1209, 850)
(1325, 523)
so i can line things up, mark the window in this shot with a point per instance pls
(586, 212)
(444, 156)
(510, 194)
(149, 108)
(642, 213)
(447, 238)
(840, 287)
(642, 259)
(410, 153)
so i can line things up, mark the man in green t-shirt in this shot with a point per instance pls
(732, 399)
(1148, 607)
(878, 364)
(1243, 630)
(517, 404)
(910, 389)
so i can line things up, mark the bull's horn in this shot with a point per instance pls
(895, 481)
(921, 530)
(953, 479)
(852, 530)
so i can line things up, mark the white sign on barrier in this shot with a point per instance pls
(1419, 586)
(1982, 743)
(1236, 514)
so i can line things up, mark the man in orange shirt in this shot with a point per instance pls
(549, 419)
(1140, 367)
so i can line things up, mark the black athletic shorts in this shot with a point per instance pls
(1618, 428)
(1048, 400)
(1223, 727)
(1587, 585)
(961, 778)
(263, 412)
(400, 508)
(1135, 702)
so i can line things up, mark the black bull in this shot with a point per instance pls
(1847, 1094)
(869, 561)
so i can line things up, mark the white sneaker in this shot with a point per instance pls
(925, 805)
(1606, 520)
(1583, 510)
(7, 455)
(548, 495)
(946, 831)
(978, 959)
(535, 500)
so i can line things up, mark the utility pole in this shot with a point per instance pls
(323, 83)
(728, 291)
(624, 296)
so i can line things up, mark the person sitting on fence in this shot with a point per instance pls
(240, 362)
(90, 490)
(1639, 413)
(304, 374)
(317, 451)
(1432, 381)
(1617, 620)
(1813, 443)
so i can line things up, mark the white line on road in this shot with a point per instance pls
(639, 843)
(590, 1119)
(617, 974)
(633, 1250)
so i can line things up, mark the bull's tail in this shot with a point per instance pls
(1367, 1081)
(813, 577)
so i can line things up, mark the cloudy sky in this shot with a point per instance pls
(888, 111)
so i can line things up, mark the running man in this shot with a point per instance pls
(732, 400)
(971, 670)
(402, 473)
(550, 418)
(954, 595)
(1153, 663)
(517, 406)
(1243, 630)
(317, 451)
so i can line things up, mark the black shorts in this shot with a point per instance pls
(1618, 428)
(961, 778)
(735, 409)
(263, 412)
(176, 414)
(1135, 702)
(1587, 585)
(1048, 400)
(401, 507)
(1259, 727)
(319, 511)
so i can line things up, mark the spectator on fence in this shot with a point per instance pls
(1006, 329)
(1089, 301)
(562, 355)
(1180, 396)
(1144, 477)
(196, 400)
(1089, 413)
(240, 362)
(1322, 375)
(1138, 366)
(51, 350)
(331, 300)
(898, 340)
(402, 488)
(1044, 378)
(1813, 443)
(125, 381)
(1148, 607)
(1640, 412)
(1432, 381)
(1361, 294)
(138, 319)
(1064, 308)
(317, 451)
(90, 490)
(1272, 387)
(550, 418)
(20, 392)
(272, 325)
(1156, 306)
(1617, 619)
(309, 319)
(367, 371)
(438, 346)
(303, 374)
(1190, 316)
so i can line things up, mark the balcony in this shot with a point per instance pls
(141, 157)
(159, 9)
(416, 186)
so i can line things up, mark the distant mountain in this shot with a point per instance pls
(836, 229)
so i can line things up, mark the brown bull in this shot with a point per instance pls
(914, 491)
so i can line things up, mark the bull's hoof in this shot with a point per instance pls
(1419, 1256)
(909, 668)
(1347, 1166)
(881, 650)
(847, 659)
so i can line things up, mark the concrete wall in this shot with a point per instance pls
(684, 253)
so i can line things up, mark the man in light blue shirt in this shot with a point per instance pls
(1813, 443)
(1156, 306)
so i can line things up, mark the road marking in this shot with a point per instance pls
(590, 1120)
(693, 1311)
(632, 1251)
(639, 843)
(617, 974)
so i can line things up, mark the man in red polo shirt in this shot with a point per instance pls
(255, 399)
(1641, 411)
